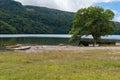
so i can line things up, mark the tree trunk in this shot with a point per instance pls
(95, 40)
(79, 43)
(94, 44)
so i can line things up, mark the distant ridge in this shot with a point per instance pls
(10, 5)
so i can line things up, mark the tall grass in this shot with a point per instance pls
(60, 65)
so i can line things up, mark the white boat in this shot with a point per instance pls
(22, 48)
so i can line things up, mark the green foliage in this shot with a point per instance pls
(116, 28)
(38, 20)
(6, 28)
(93, 21)
(34, 20)
(10, 5)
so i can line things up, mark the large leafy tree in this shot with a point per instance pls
(93, 21)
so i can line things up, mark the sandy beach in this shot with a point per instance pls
(41, 48)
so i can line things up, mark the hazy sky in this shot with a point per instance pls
(74, 5)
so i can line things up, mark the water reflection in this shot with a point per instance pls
(46, 39)
(32, 41)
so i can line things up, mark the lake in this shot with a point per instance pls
(33, 39)
(42, 39)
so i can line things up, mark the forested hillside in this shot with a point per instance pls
(117, 28)
(30, 19)
(19, 19)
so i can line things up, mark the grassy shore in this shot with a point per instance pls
(61, 65)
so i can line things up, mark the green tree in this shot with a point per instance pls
(93, 21)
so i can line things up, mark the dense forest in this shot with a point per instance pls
(116, 28)
(18, 19)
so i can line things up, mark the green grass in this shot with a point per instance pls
(60, 65)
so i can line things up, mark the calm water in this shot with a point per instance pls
(111, 37)
(35, 35)
(33, 40)
(42, 39)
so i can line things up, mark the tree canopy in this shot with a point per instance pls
(93, 21)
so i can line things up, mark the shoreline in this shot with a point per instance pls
(42, 48)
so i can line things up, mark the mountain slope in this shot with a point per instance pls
(31, 19)
(10, 5)
(117, 28)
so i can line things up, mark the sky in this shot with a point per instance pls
(75, 5)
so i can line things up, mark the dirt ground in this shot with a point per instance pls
(41, 48)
